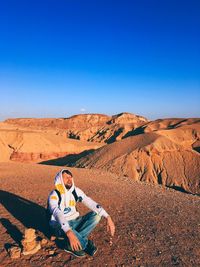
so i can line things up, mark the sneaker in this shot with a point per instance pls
(90, 248)
(76, 253)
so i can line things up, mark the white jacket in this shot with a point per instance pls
(66, 211)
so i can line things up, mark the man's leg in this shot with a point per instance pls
(87, 223)
(83, 241)
(65, 244)
(83, 226)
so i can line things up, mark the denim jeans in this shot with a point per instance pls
(81, 226)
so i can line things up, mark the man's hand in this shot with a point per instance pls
(110, 226)
(73, 240)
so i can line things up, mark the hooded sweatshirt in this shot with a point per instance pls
(66, 210)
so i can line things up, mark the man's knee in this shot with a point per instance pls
(96, 216)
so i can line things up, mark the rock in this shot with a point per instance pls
(27, 246)
(29, 243)
(51, 252)
(14, 252)
(34, 250)
(29, 234)
(43, 242)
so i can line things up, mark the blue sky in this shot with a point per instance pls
(64, 57)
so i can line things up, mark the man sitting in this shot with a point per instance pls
(65, 219)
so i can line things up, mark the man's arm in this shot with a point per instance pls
(110, 226)
(57, 213)
(91, 204)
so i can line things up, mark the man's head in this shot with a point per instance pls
(67, 179)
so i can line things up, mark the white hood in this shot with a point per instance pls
(59, 184)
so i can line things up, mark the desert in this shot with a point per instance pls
(148, 181)
(99, 133)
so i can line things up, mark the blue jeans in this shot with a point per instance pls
(81, 226)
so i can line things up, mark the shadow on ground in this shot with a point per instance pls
(69, 160)
(30, 214)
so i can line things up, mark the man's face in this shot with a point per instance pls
(67, 180)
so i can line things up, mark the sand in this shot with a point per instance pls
(155, 226)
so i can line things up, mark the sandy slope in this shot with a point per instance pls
(150, 157)
(23, 144)
(154, 226)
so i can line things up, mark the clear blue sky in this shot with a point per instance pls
(64, 57)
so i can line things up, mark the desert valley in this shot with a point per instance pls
(146, 174)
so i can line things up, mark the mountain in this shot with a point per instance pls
(87, 127)
(150, 157)
(163, 151)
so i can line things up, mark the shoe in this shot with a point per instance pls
(76, 253)
(90, 248)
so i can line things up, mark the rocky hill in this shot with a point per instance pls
(164, 151)
(88, 127)
(37, 145)
(150, 157)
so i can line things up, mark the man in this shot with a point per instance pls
(65, 220)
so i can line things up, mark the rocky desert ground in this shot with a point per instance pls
(155, 226)
(146, 174)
